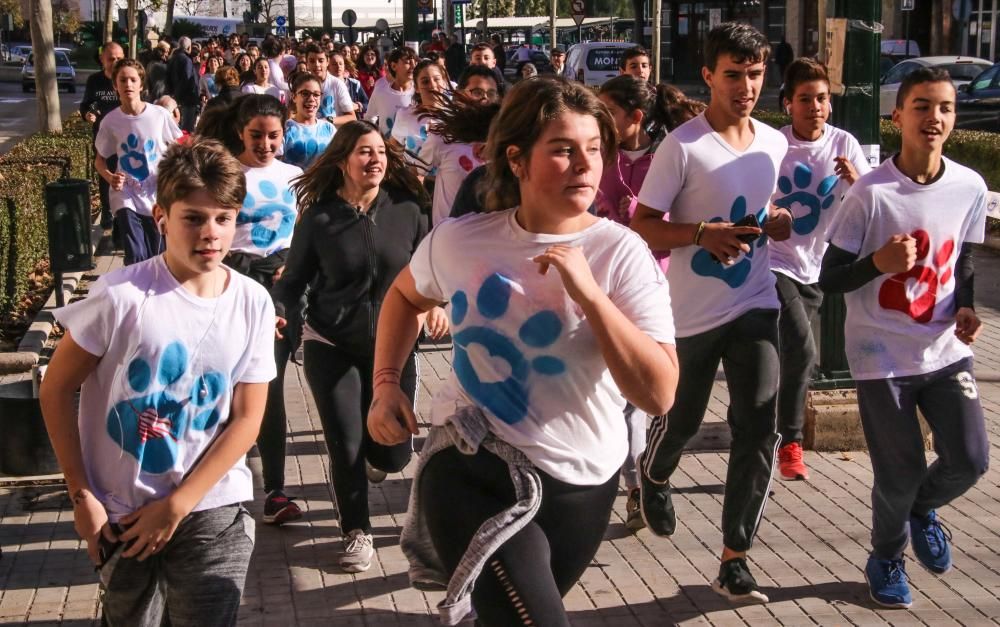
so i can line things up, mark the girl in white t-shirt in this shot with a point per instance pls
(262, 81)
(394, 91)
(306, 136)
(138, 134)
(409, 129)
(564, 318)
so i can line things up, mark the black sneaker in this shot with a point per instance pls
(737, 584)
(279, 509)
(656, 506)
(633, 520)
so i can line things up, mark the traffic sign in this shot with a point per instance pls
(281, 31)
(907, 5)
(280, 20)
(424, 7)
(579, 11)
(459, 20)
(349, 18)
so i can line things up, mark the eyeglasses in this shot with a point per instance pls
(306, 95)
(478, 92)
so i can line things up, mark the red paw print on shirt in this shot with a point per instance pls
(466, 163)
(895, 292)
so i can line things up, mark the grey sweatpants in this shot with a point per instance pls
(196, 580)
(949, 401)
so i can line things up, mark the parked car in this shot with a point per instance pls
(978, 105)
(593, 62)
(65, 72)
(19, 53)
(961, 69)
(538, 58)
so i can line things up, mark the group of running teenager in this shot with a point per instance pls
(566, 333)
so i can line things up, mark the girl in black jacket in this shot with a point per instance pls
(361, 222)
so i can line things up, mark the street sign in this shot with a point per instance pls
(349, 18)
(579, 12)
(458, 14)
(907, 5)
(280, 20)
(424, 7)
(281, 31)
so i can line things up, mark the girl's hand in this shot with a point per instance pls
(436, 323)
(151, 526)
(573, 270)
(391, 419)
(845, 170)
(90, 520)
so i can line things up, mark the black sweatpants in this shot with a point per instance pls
(341, 384)
(949, 400)
(748, 349)
(797, 352)
(274, 426)
(524, 581)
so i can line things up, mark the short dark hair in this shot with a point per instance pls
(314, 49)
(200, 165)
(557, 51)
(918, 77)
(475, 70)
(631, 53)
(740, 41)
(479, 48)
(803, 70)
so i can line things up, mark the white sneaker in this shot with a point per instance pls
(374, 474)
(358, 552)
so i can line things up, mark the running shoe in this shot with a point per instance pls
(374, 474)
(359, 549)
(737, 584)
(633, 510)
(887, 583)
(279, 509)
(656, 506)
(790, 463)
(930, 541)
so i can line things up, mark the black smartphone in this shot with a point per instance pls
(106, 548)
(749, 220)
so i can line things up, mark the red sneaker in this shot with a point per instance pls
(279, 509)
(790, 462)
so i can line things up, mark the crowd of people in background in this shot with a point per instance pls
(641, 237)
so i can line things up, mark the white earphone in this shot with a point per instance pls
(161, 226)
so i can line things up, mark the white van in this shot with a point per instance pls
(593, 62)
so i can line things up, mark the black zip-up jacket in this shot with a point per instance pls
(349, 259)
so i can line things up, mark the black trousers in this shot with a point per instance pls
(525, 579)
(797, 352)
(274, 428)
(748, 349)
(341, 384)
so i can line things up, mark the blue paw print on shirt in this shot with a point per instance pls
(303, 145)
(149, 425)
(736, 274)
(135, 162)
(326, 106)
(823, 197)
(506, 398)
(271, 212)
(414, 142)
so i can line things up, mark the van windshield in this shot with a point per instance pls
(604, 59)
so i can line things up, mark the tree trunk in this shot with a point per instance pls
(168, 24)
(49, 116)
(109, 21)
(133, 38)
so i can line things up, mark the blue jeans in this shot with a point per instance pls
(141, 240)
(196, 580)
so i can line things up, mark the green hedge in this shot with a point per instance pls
(23, 175)
(975, 149)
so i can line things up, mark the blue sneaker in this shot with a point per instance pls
(887, 584)
(930, 541)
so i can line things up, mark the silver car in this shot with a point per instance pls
(65, 72)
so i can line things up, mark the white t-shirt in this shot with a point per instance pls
(410, 131)
(385, 102)
(904, 324)
(163, 387)
(138, 141)
(276, 76)
(452, 163)
(523, 351)
(809, 187)
(265, 223)
(336, 98)
(305, 142)
(270, 90)
(695, 175)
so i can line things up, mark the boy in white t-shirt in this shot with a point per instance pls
(394, 91)
(336, 105)
(901, 253)
(137, 134)
(712, 174)
(821, 164)
(173, 355)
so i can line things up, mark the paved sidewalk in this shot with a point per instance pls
(811, 545)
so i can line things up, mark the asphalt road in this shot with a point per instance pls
(19, 112)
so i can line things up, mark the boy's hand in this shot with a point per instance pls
(90, 520)
(722, 240)
(436, 323)
(845, 169)
(279, 324)
(90, 117)
(573, 270)
(898, 255)
(391, 419)
(967, 325)
(117, 181)
(779, 224)
(151, 526)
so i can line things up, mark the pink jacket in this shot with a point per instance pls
(623, 179)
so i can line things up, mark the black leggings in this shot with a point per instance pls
(524, 581)
(341, 384)
(274, 427)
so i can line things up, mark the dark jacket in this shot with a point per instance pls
(182, 79)
(156, 79)
(349, 259)
(99, 98)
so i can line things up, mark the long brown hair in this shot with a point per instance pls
(527, 109)
(460, 119)
(324, 178)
